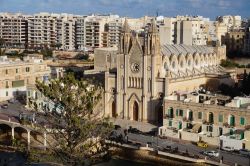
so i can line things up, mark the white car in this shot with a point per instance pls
(227, 148)
(212, 153)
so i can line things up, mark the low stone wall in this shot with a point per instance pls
(188, 136)
(146, 156)
(169, 133)
(149, 155)
(211, 140)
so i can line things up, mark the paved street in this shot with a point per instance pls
(14, 109)
(228, 158)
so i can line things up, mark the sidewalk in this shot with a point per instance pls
(142, 126)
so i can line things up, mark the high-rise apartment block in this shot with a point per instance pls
(13, 29)
(247, 39)
(41, 30)
(184, 30)
(64, 31)
(113, 29)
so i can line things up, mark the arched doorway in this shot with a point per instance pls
(113, 110)
(135, 111)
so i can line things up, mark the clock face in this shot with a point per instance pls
(135, 67)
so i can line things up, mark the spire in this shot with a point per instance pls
(153, 28)
(126, 27)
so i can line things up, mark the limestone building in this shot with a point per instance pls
(184, 30)
(15, 75)
(145, 72)
(13, 29)
(207, 117)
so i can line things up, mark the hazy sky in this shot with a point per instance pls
(133, 8)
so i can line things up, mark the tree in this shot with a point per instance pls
(78, 131)
(58, 45)
(2, 42)
(47, 53)
(2, 51)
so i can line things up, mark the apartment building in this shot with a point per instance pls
(15, 75)
(113, 29)
(41, 30)
(214, 119)
(80, 32)
(247, 39)
(184, 30)
(48, 30)
(232, 22)
(234, 40)
(65, 31)
(13, 29)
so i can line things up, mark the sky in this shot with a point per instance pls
(131, 8)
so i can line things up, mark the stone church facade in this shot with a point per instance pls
(145, 72)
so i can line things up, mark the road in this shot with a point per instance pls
(14, 109)
(228, 157)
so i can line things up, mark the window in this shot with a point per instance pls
(170, 123)
(199, 115)
(242, 121)
(6, 71)
(189, 62)
(27, 69)
(181, 64)
(180, 112)
(16, 70)
(7, 93)
(220, 118)
(6, 84)
(177, 112)
(173, 65)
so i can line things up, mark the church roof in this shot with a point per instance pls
(177, 49)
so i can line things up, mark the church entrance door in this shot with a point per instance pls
(135, 111)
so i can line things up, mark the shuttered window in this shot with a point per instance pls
(177, 112)
(220, 118)
(199, 115)
(180, 112)
(242, 121)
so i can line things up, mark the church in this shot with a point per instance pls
(144, 72)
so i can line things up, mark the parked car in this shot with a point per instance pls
(202, 144)
(12, 101)
(167, 148)
(212, 153)
(244, 152)
(152, 132)
(134, 130)
(117, 127)
(227, 148)
(4, 106)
